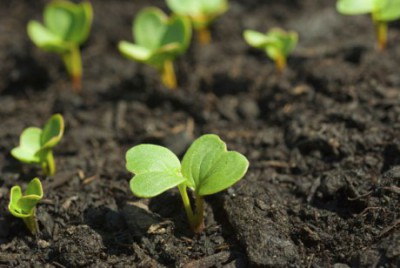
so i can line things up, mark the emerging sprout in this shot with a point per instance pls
(35, 144)
(206, 168)
(159, 40)
(24, 206)
(277, 43)
(201, 12)
(382, 12)
(66, 27)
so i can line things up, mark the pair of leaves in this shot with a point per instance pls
(158, 38)
(65, 24)
(207, 167)
(23, 206)
(201, 12)
(382, 10)
(35, 142)
(276, 42)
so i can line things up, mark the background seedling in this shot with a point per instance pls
(159, 40)
(36, 145)
(201, 12)
(24, 206)
(66, 27)
(382, 11)
(277, 43)
(206, 168)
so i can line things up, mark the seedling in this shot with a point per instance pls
(201, 12)
(277, 43)
(66, 27)
(159, 40)
(24, 206)
(382, 11)
(36, 145)
(206, 168)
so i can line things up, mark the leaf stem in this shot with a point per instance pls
(186, 203)
(204, 36)
(31, 223)
(73, 63)
(48, 164)
(196, 220)
(381, 29)
(280, 63)
(168, 74)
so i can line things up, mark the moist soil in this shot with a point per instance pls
(322, 138)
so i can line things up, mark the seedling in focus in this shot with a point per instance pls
(201, 12)
(159, 40)
(206, 168)
(36, 145)
(24, 206)
(277, 43)
(66, 27)
(382, 11)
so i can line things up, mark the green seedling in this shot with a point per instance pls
(36, 145)
(206, 168)
(382, 11)
(201, 12)
(159, 40)
(277, 43)
(24, 206)
(66, 27)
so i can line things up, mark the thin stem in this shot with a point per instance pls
(280, 63)
(168, 75)
(31, 223)
(199, 216)
(73, 63)
(186, 203)
(381, 29)
(48, 164)
(204, 36)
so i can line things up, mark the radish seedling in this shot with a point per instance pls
(201, 12)
(159, 40)
(36, 145)
(277, 43)
(206, 168)
(24, 206)
(382, 11)
(66, 27)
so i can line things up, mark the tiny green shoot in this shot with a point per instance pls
(66, 27)
(277, 43)
(382, 11)
(206, 168)
(201, 12)
(24, 206)
(159, 40)
(36, 145)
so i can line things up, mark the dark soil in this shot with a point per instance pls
(323, 140)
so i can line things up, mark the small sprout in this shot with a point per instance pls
(66, 27)
(201, 12)
(35, 144)
(382, 11)
(159, 40)
(277, 43)
(24, 206)
(206, 168)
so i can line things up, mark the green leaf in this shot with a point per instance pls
(22, 206)
(210, 168)
(45, 39)
(29, 146)
(150, 20)
(134, 52)
(156, 169)
(355, 7)
(386, 10)
(256, 39)
(282, 43)
(52, 132)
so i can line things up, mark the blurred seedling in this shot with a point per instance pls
(201, 12)
(24, 206)
(277, 44)
(66, 27)
(206, 168)
(36, 145)
(159, 40)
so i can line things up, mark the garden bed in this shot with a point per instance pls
(323, 141)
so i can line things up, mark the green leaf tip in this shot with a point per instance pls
(36, 144)
(23, 206)
(381, 10)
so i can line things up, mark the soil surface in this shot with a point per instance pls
(323, 141)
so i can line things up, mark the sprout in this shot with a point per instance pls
(66, 27)
(201, 12)
(382, 12)
(277, 43)
(36, 144)
(206, 168)
(159, 40)
(24, 206)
